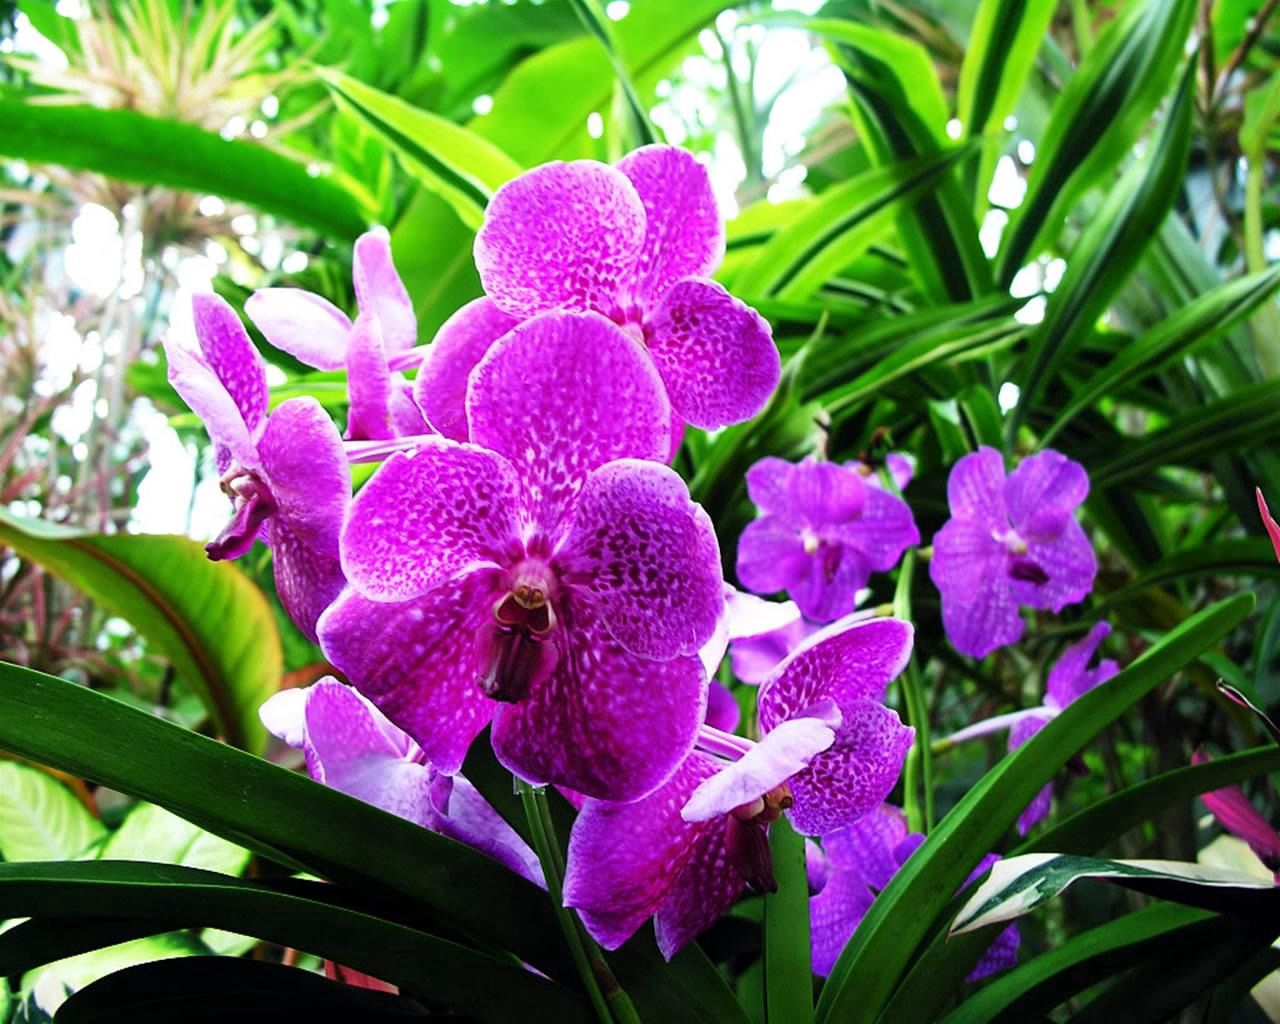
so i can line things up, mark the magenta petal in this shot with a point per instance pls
(310, 328)
(1038, 809)
(416, 660)
(1273, 529)
(834, 914)
(461, 342)
(380, 291)
(811, 492)
(707, 887)
(232, 357)
(1069, 562)
(605, 723)
(1234, 812)
(966, 561)
(427, 516)
(869, 846)
(723, 712)
(470, 819)
(1069, 678)
(855, 774)
(883, 531)
(563, 235)
(368, 383)
(829, 588)
(201, 389)
(1001, 955)
(987, 622)
(1042, 493)
(648, 556)
(846, 662)
(771, 556)
(624, 858)
(769, 763)
(684, 235)
(303, 459)
(715, 353)
(975, 488)
(561, 395)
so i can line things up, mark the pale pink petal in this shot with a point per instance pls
(715, 353)
(310, 328)
(380, 291)
(461, 342)
(563, 235)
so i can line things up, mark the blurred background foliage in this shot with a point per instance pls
(1014, 222)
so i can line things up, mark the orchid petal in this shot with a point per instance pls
(1068, 678)
(380, 291)
(1042, 493)
(1070, 564)
(284, 714)
(232, 357)
(834, 574)
(1273, 529)
(208, 398)
(470, 818)
(881, 533)
(869, 846)
(967, 561)
(987, 622)
(461, 342)
(310, 328)
(723, 712)
(811, 492)
(975, 488)
(707, 887)
(771, 556)
(834, 915)
(368, 383)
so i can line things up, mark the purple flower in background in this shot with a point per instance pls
(1069, 679)
(285, 473)
(635, 242)
(853, 865)
(1009, 542)
(822, 534)
(901, 469)
(315, 331)
(551, 581)
(351, 747)
(829, 752)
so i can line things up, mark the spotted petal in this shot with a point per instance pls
(605, 723)
(715, 353)
(428, 516)
(561, 395)
(707, 887)
(368, 383)
(232, 357)
(209, 399)
(310, 328)
(648, 556)
(461, 342)
(563, 235)
(834, 915)
(380, 291)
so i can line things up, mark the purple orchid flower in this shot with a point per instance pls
(849, 870)
(635, 242)
(551, 581)
(1233, 810)
(313, 330)
(351, 747)
(285, 473)
(1009, 542)
(1070, 678)
(822, 534)
(829, 752)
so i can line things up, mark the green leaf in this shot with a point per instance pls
(476, 984)
(1109, 246)
(275, 813)
(39, 941)
(839, 227)
(40, 818)
(602, 28)
(129, 146)
(788, 975)
(1238, 556)
(207, 617)
(905, 911)
(1207, 318)
(464, 168)
(152, 833)
(1095, 120)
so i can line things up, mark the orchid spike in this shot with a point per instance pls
(350, 746)
(822, 533)
(1009, 542)
(636, 243)
(829, 752)
(1273, 529)
(849, 870)
(558, 580)
(285, 473)
(315, 331)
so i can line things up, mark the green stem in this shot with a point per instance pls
(788, 974)
(610, 1002)
(918, 772)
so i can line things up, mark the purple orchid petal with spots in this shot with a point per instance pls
(822, 534)
(368, 383)
(1009, 543)
(380, 291)
(758, 641)
(350, 746)
(233, 358)
(462, 341)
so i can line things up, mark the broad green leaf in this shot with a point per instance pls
(40, 818)
(788, 976)
(130, 146)
(276, 813)
(907, 909)
(207, 617)
(152, 833)
(479, 985)
(1095, 120)
(464, 168)
(1238, 556)
(1017, 885)
(1110, 244)
(838, 227)
(1208, 317)
(601, 27)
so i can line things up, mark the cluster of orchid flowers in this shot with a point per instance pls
(524, 560)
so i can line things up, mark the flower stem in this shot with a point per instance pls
(919, 767)
(612, 1005)
(788, 976)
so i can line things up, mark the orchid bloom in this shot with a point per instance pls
(822, 533)
(849, 870)
(1069, 679)
(1009, 542)
(829, 753)
(1235, 813)
(350, 746)
(313, 330)
(550, 581)
(285, 473)
(636, 243)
